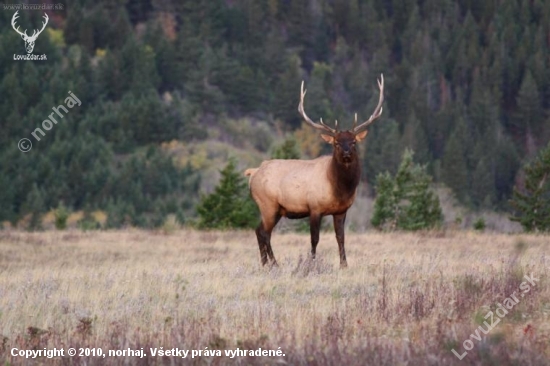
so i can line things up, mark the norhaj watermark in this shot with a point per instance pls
(29, 40)
(25, 145)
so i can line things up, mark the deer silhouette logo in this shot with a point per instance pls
(29, 40)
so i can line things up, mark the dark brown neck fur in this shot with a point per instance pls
(344, 177)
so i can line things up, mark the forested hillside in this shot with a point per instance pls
(467, 87)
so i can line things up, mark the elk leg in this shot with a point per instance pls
(269, 250)
(263, 233)
(339, 221)
(314, 226)
(260, 235)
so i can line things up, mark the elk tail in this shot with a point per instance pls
(250, 173)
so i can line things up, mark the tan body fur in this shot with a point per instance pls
(296, 188)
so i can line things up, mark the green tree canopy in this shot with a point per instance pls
(230, 205)
(532, 203)
(406, 201)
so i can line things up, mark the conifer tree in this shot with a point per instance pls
(532, 203)
(382, 149)
(455, 164)
(507, 164)
(287, 93)
(230, 205)
(35, 206)
(287, 150)
(483, 184)
(406, 202)
(529, 116)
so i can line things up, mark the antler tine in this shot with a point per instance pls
(332, 130)
(377, 111)
(320, 126)
(13, 19)
(46, 18)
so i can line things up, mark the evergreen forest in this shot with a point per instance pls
(467, 87)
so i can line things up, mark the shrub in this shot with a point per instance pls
(61, 215)
(479, 224)
(170, 224)
(88, 222)
(406, 200)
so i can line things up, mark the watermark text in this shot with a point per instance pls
(501, 311)
(59, 112)
(33, 6)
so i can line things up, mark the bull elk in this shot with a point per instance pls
(315, 188)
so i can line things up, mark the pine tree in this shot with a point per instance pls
(287, 93)
(73, 23)
(385, 206)
(529, 116)
(247, 93)
(406, 202)
(318, 99)
(382, 149)
(35, 206)
(287, 150)
(455, 162)
(532, 203)
(120, 214)
(414, 137)
(507, 163)
(300, 27)
(230, 205)
(483, 184)
(6, 197)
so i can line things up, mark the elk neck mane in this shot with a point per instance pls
(344, 177)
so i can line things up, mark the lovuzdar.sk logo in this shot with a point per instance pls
(29, 40)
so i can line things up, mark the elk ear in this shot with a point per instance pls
(328, 138)
(361, 135)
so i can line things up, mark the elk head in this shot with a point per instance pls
(343, 142)
(29, 40)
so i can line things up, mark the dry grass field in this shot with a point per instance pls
(406, 299)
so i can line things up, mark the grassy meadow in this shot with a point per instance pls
(406, 298)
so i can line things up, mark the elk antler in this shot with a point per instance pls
(24, 34)
(377, 111)
(34, 36)
(15, 16)
(321, 125)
